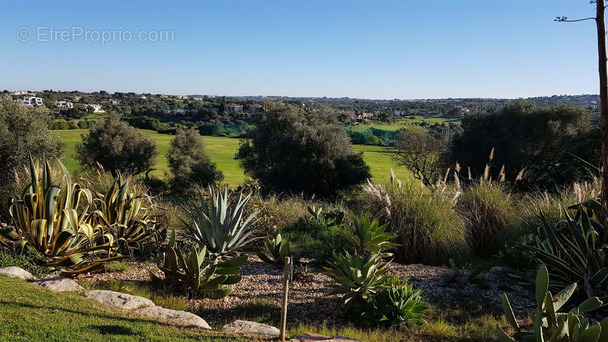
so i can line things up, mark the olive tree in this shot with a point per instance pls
(294, 149)
(118, 147)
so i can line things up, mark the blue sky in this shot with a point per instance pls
(366, 49)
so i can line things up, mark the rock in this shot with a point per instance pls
(316, 337)
(57, 283)
(180, 318)
(16, 272)
(247, 327)
(121, 300)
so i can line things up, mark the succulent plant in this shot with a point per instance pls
(122, 214)
(368, 236)
(360, 277)
(552, 325)
(278, 249)
(572, 252)
(54, 220)
(219, 225)
(196, 274)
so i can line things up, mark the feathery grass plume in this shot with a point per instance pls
(486, 173)
(457, 180)
(391, 177)
(470, 177)
(445, 178)
(398, 183)
(520, 175)
(457, 167)
(502, 174)
(492, 154)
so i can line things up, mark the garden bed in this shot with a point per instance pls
(258, 295)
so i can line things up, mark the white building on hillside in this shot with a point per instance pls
(96, 108)
(31, 101)
(64, 104)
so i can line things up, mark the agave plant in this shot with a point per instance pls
(219, 225)
(195, 273)
(360, 277)
(552, 325)
(278, 249)
(395, 303)
(572, 253)
(368, 236)
(54, 221)
(122, 214)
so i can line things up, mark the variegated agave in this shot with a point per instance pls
(122, 213)
(53, 220)
(219, 225)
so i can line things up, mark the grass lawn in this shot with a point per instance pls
(31, 313)
(222, 150)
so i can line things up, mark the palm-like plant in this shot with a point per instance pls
(219, 225)
(54, 221)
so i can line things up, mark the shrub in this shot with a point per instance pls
(24, 133)
(190, 162)
(295, 150)
(318, 236)
(552, 325)
(428, 228)
(536, 139)
(488, 210)
(118, 147)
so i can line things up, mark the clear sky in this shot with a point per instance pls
(366, 49)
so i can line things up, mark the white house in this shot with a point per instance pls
(64, 104)
(31, 101)
(96, 108)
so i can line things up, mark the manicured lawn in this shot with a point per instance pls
(30, 313)
(222, 150)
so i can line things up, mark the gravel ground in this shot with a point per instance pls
(258, 295)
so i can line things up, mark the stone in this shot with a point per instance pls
(247, 327)
(316, 337)
(16, 272)
(57, 283)
(174, 317)
(120, 300)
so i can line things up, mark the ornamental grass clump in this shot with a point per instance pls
(428, 228)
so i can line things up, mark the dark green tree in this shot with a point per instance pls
(190, 162)
(553, 145)
(118, 147)
(293, 149)
(24, 133)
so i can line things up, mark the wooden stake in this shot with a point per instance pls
(286, 273)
